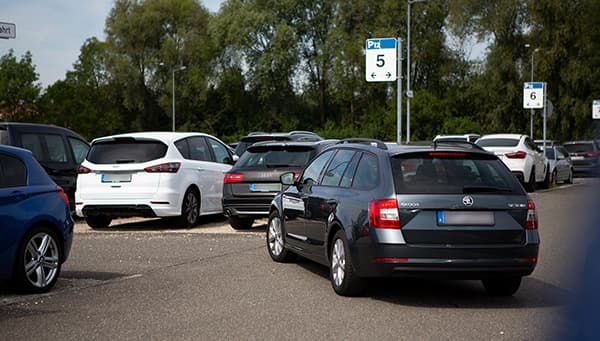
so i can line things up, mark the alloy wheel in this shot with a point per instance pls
(41, 260)
(190, 208)
(275, 236)
(338, 262)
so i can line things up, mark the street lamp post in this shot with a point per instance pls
(531, 111)
(173, 70)
(408, 91)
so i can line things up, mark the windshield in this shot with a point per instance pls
(275, 157)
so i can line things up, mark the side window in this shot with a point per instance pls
(57, 151)
(349, 173)
(13, 172)
(34, 144)
(367, 172)
(336, 168)
(313, 171)
(221, 154)
(199, 149)
(80, 149)
(182, 146)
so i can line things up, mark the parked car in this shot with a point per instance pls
(59, 150)
(375, 211)
(36, 227)
(457, 138)
(561, 167)
(153, 174)
(296, 135)
(251, 184)
(521, 155)
(549, 143)
(585, 157)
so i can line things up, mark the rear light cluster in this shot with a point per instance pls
(62, 195)
(83, 170)
(232, 178)
(516, 155)
(591, 154)
(383, 214)
(531, 223)
(169, 167)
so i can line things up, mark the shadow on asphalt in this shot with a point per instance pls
(467, 294)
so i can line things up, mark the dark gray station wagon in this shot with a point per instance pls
(375, 210)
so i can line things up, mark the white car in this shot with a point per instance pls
(153, 174)
(525, 160)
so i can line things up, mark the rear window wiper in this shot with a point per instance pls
(485, 189)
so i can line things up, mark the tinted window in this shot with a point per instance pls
(13, 172)
(126, 151)
(550, 153)
(80, 149)
(498, 142)
(57, 151)
(221, 154)
(349, 173)
(182, 146)
(34, 144)
(313, 171)
(274, 156)
(337, 167)
(579, 147)
(3, 136)
(453, 174)
(367, 172)
(199, 149)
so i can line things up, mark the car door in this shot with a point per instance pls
(13, 193)
(222, 161)
(295, 201)
(539, 160)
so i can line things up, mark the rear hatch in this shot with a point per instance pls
(258, 170)
(458, 198)
(582, 154)
(119, 169)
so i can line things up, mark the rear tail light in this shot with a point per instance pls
(516, 155)
(169, 167)
(384, 214)
(591, 154)
(83, 170)
(232, 178)
(532, 218)
(62, 195)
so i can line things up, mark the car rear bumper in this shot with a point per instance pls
(445, 262)
(251, 207)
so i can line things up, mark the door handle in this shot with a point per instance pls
(17, 195)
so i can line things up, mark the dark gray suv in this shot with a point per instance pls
(451, 210)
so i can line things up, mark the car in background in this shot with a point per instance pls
(36, 227)
(152, 174)
(585, 156)
(365, 210)
(251, 184)
(549, 143)
(59, 150)
(525, 160)
(561, 167)
(296, 135)
(457, 138)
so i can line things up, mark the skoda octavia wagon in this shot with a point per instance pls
(450, 210)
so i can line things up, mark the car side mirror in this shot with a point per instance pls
(287, 179)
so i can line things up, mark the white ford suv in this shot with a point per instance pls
(521, 156)
(154, 174)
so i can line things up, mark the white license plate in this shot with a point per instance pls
(116, 177)
(465, 218)
(265, 187)
(577, 158)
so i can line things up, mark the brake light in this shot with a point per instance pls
(591, 154)
(169, 167)
(83, 170)
(516, 155)
(233, 178)
(62, 195)
(532, 218)
(447, 154)
(384, 214)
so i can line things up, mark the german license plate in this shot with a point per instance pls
(116, 177)
(576, 158)
(265, 187)
(465, 218)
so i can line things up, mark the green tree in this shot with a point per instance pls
(19, 90)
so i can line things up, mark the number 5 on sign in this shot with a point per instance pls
(533, 95)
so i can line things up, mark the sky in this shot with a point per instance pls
(54, 31)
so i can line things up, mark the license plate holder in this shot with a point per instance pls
(468, 218)
(116, 177)
(265, 188)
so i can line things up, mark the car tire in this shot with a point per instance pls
(570, 178)
(190, 209)
(530, 185)
(240, 223)
(502, 286)
(344, 280)
(546, 182)
(276, 240)
(38, 261)
(98, 221)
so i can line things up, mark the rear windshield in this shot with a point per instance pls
(275, 157)
(579, 147)
(504, 142)
(452, 173)
(126, 151)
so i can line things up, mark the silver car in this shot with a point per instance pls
(561, 167)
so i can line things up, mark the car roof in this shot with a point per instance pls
(21, 152)
(275, 143)
(280, 135)
(397, 149)
(163, 136)
(40, 127)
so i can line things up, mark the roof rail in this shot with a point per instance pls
(378, 143)
(302, 132)
(457, 143)
(257, 133)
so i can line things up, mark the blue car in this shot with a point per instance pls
(36, 227)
